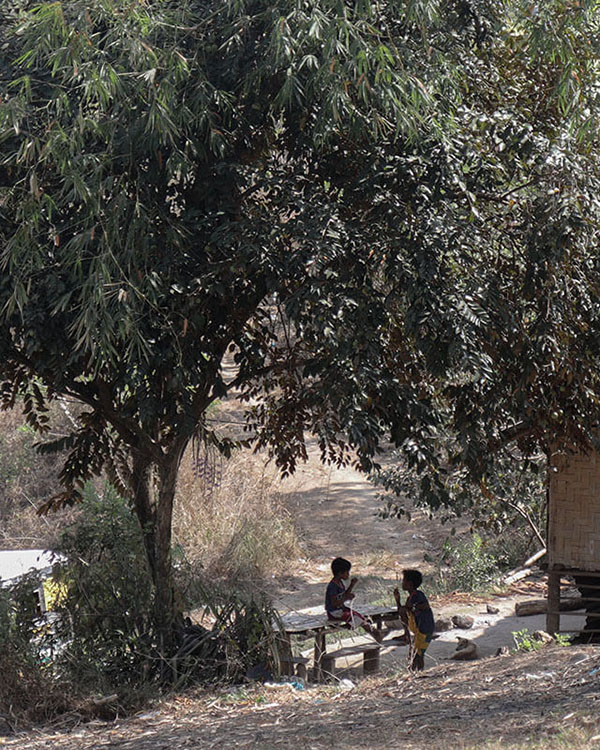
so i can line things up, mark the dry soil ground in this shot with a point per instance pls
(545, 700)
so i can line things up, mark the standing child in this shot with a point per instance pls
(337, 595)
(416, 615)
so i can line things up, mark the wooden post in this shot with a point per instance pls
(318, 655)
(284, 647)
(327, 667)
(371, 660)
(553, 615)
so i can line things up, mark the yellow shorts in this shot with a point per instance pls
(420, 640)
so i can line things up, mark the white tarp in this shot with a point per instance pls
(16, 562)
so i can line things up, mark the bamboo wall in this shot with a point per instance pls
(574, 512)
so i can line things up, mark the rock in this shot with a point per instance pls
(492, 610)
(442, 624)
(502, 651)
(463, 621)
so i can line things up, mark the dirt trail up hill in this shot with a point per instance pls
(336, 512)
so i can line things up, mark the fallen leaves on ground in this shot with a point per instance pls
(507, 701)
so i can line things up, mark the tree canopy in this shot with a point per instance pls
(386, 213)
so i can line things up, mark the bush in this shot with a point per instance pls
(98, 638)
(29, 692)
(526, 641)
(465, 564)
(101, 637)
(236, 635)
(105, 605)
(508, 509)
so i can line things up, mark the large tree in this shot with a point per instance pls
(379, 209)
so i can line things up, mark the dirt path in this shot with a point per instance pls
(335, 510)
(336, 514)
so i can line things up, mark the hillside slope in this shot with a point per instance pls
(547, 699)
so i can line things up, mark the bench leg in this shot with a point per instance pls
(327, 668)
(318, 656)
(371, 661)
(284, 646)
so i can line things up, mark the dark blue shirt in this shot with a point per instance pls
(333, 589)
(423, 617)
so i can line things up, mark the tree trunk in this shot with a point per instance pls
(141, 481)
(165, 614)
(153, 495)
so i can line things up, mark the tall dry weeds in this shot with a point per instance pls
(230, 517)
(27, 479)
(29, 694)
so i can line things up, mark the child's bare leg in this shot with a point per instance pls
(417, 662)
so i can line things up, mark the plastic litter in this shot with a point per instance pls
(540, 676)
(295, 683)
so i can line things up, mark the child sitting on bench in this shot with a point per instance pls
(337, 595)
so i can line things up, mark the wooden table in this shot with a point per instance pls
(317, 626)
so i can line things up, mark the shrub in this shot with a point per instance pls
(104, 609)
(508, 509)
(236, 634)
(525, 641)
(29, 692)
(98, 637)
(464, 564)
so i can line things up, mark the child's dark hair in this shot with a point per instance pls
(414, 576)
(339, 565)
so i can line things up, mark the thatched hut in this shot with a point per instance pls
(574, 536)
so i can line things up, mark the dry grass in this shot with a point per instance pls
(229, 516)
(26, 480)
(27, 695)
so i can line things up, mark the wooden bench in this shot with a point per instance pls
(370, 652)
(316, 627)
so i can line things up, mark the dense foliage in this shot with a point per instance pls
(96, 636)
(386, 212)
(103, 605)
